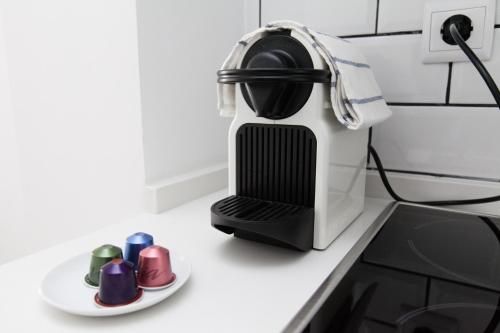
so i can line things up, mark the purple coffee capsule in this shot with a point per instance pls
(117, 284)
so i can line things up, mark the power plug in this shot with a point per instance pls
(463, 24)
(437, 44)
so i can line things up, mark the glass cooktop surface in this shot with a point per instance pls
(427, 270)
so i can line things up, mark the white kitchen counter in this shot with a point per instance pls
(235, 286)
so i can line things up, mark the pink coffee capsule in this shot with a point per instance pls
(154, 270)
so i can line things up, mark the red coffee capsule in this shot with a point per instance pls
(155, 270)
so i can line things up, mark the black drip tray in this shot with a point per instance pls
(270, 222)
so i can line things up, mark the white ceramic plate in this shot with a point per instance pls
(63, 287)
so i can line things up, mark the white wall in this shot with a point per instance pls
(10, 182)
(182, 44)
(72, 129)
(437, 130)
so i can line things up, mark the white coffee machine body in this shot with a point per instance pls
(340, 160)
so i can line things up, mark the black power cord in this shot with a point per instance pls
(396, 197)
(453, 30)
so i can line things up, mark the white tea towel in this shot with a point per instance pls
(355, 95)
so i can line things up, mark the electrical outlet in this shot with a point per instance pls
(482, 15)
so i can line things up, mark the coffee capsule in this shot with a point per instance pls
(117, 284)
(101, 256)
(135, 243)
(155, 270)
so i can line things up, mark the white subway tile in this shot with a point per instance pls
(467, 86)
(398, 15)
(461, 141)
(339, 17)
(399, 70)
(497, 20)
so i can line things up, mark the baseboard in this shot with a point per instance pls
(423, 187)
(173, 192)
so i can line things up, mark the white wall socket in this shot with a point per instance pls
(482, 15)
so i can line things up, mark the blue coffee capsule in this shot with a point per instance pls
(135, 243)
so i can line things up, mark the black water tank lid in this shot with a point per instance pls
(276, 76)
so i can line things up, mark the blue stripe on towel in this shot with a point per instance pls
(363, 100)
(347, 62)
(347, 117)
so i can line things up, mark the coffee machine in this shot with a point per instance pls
(296, 175)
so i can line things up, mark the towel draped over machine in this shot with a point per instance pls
(355, 95)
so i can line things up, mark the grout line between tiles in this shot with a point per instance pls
(260, 13)
(440, 175)
(393, 33)
(376, 16)
(396, 33)
(448, 84)
(472, 105)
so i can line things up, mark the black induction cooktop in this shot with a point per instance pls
(427, 270)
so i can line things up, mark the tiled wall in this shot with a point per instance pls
(444, 120)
